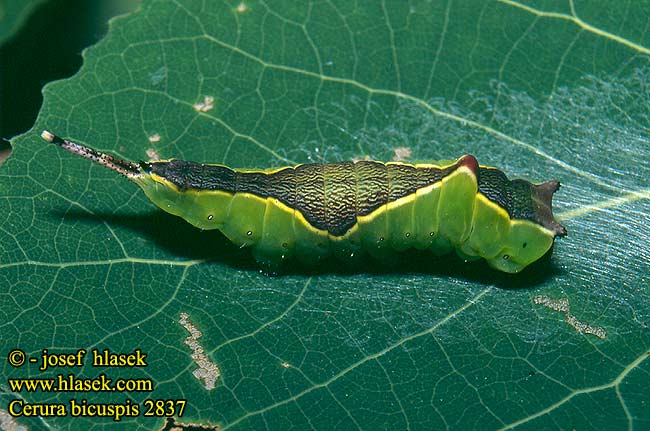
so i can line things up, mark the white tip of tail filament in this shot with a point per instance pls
(47, 136)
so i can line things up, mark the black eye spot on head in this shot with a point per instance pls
(525, 245)
(506, 257)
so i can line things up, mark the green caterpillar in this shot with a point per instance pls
(313, 210)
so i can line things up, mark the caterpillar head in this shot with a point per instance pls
(532, 229)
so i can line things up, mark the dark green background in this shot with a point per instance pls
(42, 44)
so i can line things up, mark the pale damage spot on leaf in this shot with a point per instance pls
(172, 425)
(358, 159)
(554, 304)
(206, 105)
(562, 305)
(401, 153)
(152, 154)
(158, 76)
(154, 138)
(285, 364)
(8, 423)
(207, 371)
(242, 8)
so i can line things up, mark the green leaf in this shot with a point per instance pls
(12, 15)
(541, 89)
